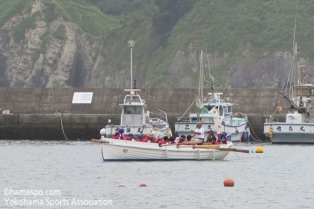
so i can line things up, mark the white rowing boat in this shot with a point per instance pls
(124, 150)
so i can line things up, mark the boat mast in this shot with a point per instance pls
(294, 74)
(201, 80)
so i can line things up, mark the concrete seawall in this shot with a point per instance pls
(33, 109)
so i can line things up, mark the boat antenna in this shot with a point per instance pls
(131, 44)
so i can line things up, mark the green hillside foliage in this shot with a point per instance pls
(224, 26)
(161, 28)
(168, 13)
(88, 17)
(9, 8)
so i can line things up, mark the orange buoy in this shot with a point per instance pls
(143, 185)
(121, 185)
(229, 182)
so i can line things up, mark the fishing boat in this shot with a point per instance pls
(136, 120)
(215, 114)
(298, 126)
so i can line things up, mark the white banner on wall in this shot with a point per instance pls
(82, 98)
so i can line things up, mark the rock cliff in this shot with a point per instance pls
(59, 53)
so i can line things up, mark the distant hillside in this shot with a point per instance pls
(83, 43)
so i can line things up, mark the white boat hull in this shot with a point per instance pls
(122, 150)
(135, 130)
(110, 130)
(235, 132)
(290, 133)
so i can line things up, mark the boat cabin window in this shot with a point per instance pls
(193, 119)
(133, 110)
(306, 92)
(132, 98)
(299, 92)
(210, 107)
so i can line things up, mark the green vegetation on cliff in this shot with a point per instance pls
(163, 29)
(218, 25)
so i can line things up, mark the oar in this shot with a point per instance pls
(221, 149)
(234, 150)
(199, 146)
(165, 145)
(226, 149)
(207, 146)
(96, 140)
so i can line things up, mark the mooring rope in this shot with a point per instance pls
(62, 127)
(251, 129)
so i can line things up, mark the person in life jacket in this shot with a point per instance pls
(121, 133)
(211, 138)
(129, 137)
(224, 138)
(171, 140)
(116, 135)
(188, 138)
(147, 138)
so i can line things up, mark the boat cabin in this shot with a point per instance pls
(213, 108)
(133, 108)
(303, 93)
(215, 101)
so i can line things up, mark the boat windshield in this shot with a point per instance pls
(133, 110)
(132, 98)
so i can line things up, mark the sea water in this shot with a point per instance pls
(71, 174)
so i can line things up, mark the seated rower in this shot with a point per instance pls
(119, 134)
(165, 140)
(129, 137)
(116, 135)
(182, 138)
(224, 138)
(171, 140)
(188, 138)
(147, 138)
(199, 133)
(211, 138)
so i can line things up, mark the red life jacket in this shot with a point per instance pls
(145, 139)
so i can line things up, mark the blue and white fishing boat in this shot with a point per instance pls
(215, 114)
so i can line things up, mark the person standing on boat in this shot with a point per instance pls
(199, 132)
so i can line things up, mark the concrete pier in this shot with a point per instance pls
(32, 110)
